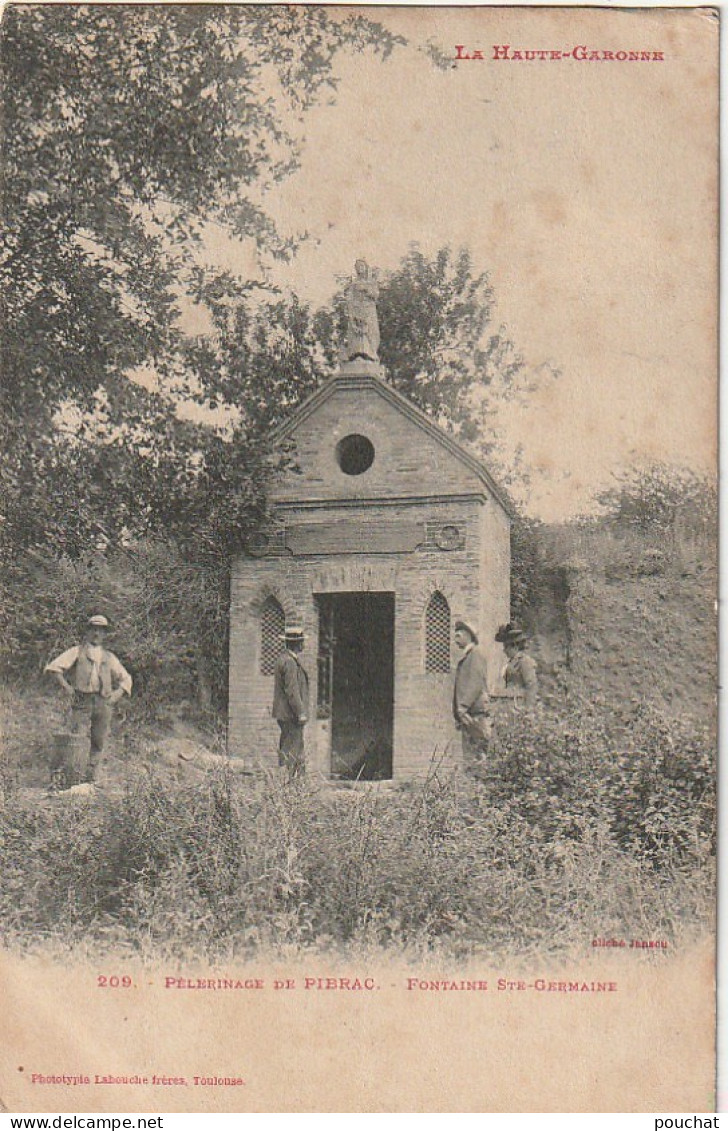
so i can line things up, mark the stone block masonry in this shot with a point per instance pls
(422, 517)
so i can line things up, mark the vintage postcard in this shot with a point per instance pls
(359, 549)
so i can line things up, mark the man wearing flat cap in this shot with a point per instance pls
(94, 680)
(471, 699)
(290, 702)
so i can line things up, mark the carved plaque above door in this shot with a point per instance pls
(354, 536)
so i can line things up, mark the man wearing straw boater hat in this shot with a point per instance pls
(94, 680)
(290, 702)
(471, 699)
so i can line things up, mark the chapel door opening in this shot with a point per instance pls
(356, 682)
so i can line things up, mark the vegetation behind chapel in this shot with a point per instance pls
(595, 817)
(621, 607)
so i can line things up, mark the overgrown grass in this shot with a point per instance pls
(566, 835)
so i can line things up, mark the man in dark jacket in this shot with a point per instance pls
(290, 702)
(471, 699)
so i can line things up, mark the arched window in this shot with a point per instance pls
(437, 634)
(272, 627)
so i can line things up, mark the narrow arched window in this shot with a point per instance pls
(272, 627)
(437, 634)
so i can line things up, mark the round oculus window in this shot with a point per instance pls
(355, 454)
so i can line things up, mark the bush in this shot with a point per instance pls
(570, 833)
(169, 617)
(651, 778)
(663, 499)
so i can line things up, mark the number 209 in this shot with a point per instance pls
(114, 982)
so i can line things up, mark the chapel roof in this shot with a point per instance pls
(364, 379)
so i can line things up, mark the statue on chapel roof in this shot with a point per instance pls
(362, 322)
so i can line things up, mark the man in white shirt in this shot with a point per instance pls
(94, 680)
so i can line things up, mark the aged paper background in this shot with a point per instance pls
(590, 190)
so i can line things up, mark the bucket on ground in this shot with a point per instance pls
(70, 759)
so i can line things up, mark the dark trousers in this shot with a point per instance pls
(476, 735)
(90, 714)
(290, 747)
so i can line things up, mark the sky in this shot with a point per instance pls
(588, 191)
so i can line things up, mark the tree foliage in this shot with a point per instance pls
(660, 497)
(127, 130)
(168, 615)
(264, 358)
(441, 345)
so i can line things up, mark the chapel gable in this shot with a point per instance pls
(359, 438)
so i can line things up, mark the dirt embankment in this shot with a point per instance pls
(634, 626)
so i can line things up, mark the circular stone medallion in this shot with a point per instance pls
(450, 538)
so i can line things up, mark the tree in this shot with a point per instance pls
(662, 498)
(440, 344)
(127, 130)
(264, 358)
(169, 617)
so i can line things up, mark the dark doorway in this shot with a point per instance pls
(356, 682)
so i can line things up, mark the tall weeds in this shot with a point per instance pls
(564, 837)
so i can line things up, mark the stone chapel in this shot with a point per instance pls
(385, 534)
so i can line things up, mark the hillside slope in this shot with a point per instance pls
(630, 621)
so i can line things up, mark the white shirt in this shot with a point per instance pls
(95, 652)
